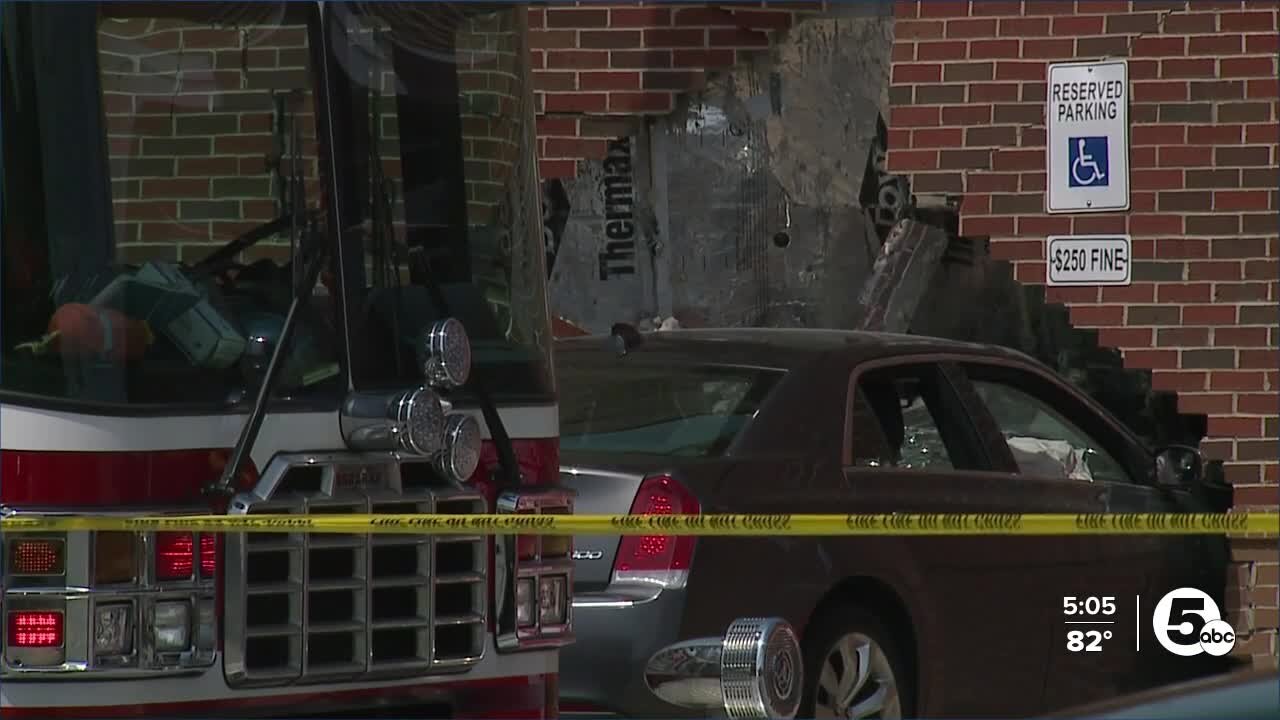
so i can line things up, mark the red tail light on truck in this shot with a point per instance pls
(35, 629)
(129, 601)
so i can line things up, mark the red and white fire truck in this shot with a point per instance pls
(275, 257)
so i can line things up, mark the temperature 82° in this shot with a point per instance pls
(1086, 640)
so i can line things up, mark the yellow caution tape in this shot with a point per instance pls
(886, 524)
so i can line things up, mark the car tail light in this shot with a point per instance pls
(35, 629)
(36, 556)
(661, 560)
(175, 555)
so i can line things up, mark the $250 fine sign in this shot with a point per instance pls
(1089, 260)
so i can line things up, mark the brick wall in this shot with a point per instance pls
(967, 118)
(190, 118)
(597, 66)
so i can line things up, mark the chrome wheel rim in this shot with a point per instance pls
(856, 680)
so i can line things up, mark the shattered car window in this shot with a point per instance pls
(922, 447)
(894, 426)
(1042, 441)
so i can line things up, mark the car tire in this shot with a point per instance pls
(849, 631)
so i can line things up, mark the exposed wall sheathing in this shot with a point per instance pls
(749, 192)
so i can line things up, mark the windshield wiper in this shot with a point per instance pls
(248, 434)
(308, 246)
(509, 477)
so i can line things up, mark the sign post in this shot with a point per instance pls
(1089, 260)
(1088, 137)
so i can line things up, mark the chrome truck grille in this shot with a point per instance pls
(304, 608)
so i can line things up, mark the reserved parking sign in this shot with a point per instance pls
(1087, 151)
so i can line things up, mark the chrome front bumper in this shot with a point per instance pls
(754, 671)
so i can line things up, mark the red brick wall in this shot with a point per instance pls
(189, 131)
(597, 65)
(190, 122)
(968, 96)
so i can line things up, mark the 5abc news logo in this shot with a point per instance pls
(1187, 622)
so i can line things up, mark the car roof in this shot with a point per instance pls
(784, 348)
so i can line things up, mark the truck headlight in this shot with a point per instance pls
(171, 626)
(552, 599)
(113, 629)
(525, 598)
(206, 625)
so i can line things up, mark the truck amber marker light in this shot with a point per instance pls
(35, 557)
(114, 557)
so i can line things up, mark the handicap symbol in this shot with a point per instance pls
(1089, 161)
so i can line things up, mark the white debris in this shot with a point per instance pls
(1050, 458)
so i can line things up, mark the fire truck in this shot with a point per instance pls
(283, 258)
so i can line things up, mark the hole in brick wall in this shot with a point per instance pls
(972, 298)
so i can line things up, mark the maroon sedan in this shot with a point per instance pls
(813, 421)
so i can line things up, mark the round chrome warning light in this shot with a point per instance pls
(754, 671)
(762, 672)
(420, 422)
(448, 354)
(461, 454)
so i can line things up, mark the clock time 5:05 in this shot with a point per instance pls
(1089, 605)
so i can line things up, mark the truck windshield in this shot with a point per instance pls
(159, 173)
(434, 120)
(165, 162)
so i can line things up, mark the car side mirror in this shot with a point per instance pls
(1179, 466)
